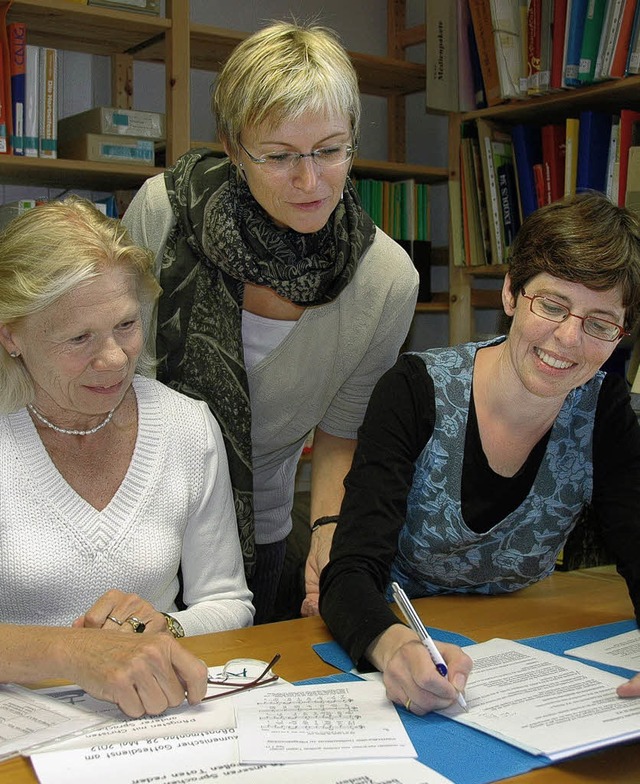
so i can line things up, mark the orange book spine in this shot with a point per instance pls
(485, 42)
(619, 61)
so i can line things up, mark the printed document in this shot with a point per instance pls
(330, 721)
(623, 650)
(543, 703)
(199, 744)
(209, 757)
(29, 719)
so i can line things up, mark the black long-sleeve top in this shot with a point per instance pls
(398, 424)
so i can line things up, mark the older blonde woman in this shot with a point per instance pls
(112, 483)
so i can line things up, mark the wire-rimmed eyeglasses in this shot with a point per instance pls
(593, 326)
(241, 675)
(323, 158)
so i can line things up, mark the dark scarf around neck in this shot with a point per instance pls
(221, 240)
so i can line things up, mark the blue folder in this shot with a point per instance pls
(463, 754)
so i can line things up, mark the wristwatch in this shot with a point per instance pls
(174, 626)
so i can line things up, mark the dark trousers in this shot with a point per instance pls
(266, 579)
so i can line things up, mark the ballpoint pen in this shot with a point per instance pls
(413, 619)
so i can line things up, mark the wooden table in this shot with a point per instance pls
(563, 602)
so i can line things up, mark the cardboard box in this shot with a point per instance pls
(108, 149)
(137, 6)
(119, 122)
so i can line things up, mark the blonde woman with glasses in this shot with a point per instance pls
(475, 462)
(283, 303)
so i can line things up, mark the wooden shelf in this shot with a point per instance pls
(66, 174)
(607, 96)
(82, 28)
(383, 76)
(487, 271)
(389, 170)
(439, 303)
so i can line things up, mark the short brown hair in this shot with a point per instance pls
(583, 239)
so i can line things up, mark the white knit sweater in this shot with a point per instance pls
(58, 554)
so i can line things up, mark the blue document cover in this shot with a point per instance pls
(441, 743)
(463, 754)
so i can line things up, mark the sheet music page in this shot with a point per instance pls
(623, 650)
(321, 722)
(29, 719)
(544, 703)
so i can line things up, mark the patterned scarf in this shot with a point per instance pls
(222, 239)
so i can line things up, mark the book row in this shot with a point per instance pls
(28, 102)
(29, 124)
(484, 52)
(507, 172)
(402, 209)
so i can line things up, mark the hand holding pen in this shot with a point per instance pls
(414, 622)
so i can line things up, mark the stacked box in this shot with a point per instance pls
(110, 120)
(138, 6)
(108, 149)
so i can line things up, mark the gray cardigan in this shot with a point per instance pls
(324, 370)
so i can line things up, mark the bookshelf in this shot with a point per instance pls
(180, 45)
(606, 96)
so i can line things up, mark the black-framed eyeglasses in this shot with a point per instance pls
(241, 675)
(593, 326)
(323, 158)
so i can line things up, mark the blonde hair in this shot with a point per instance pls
(281, 72)
(47, 252)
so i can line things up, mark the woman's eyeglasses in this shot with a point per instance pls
(323, 158)
(551, 310)
(241, 675)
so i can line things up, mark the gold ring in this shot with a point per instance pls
(115, 620)
(137, 625)
(407, 704)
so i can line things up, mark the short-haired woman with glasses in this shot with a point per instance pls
(475, 462)
(283, 304)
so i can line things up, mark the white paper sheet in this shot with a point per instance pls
(208, 757)
(623, 650)
(321, 722)
(544, 703)
(29, 719)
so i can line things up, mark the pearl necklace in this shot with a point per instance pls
(64, 430)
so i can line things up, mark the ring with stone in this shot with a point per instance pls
(115, 620)
(137, 625)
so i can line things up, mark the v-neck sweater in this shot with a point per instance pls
(174, 508)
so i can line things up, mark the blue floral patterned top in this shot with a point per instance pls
(437, 552)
